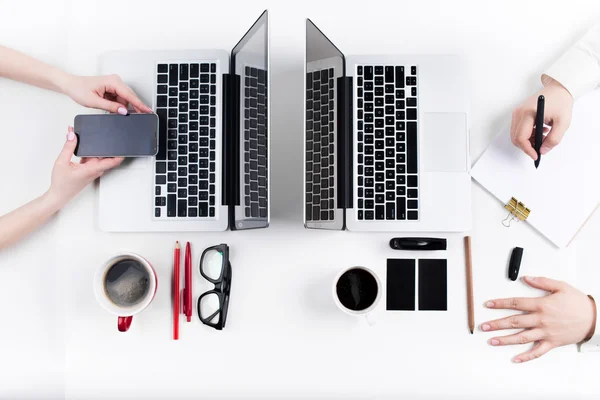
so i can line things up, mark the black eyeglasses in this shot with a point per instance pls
(215, 268)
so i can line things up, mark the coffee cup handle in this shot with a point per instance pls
(124, 323)
(370, 319)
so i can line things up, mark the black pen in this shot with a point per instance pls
(539, 129)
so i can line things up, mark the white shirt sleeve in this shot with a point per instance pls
(578, 69)
(594, 343)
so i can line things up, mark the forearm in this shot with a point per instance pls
(578, 70)
(23, 68)
(22, 221)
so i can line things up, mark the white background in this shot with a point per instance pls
(284, 338)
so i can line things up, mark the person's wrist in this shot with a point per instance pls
(550, 82)
(53, 200)
(62, 80)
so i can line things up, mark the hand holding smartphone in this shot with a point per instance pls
(115, 135)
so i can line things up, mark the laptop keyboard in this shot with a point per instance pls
(388, 180)
(320, 146)
(255, 142)
(185, 166)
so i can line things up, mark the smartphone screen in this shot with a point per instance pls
(115, 135)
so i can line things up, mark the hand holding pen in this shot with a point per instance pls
(557, 113)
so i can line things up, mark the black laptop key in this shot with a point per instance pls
(413, 215)
(390, 211)
(182, 208)
(411, 101)
(183, 72)
(400, 208)
(161, 179)
(173, 74)
(171, 205)
(161, 167)
(379, 212)
(412, 181)
(412, 193)
(202, 209)
(161, 89)
(411, 147)
(411, 114)
(161, 101)
(399, 77)
(369, 215)
(389, 74)
(369, 73)
(163, 79)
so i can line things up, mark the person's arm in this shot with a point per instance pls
(578, 70)
(108, 93)
(572, 75)
(564, 316)
(68, 179)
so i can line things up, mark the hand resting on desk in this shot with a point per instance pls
(564, 316)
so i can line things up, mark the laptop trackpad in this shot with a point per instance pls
(445, 142)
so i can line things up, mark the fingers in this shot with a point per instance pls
(109, 105)
(69, 147)
(522, 135)
(539, 350)
(547, 284)
(125, 92)
(522, 321)
(523, 337)
(554, 137)
(109, 163)
(95, 167)
(515, 303)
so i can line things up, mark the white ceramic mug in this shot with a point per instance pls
(124, 314)
(364, 312)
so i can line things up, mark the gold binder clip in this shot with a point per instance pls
(516, 212)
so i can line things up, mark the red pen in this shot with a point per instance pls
(187, 291)
(176, 279)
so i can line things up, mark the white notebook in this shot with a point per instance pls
(565, 190)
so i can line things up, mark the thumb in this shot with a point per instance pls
(110, 106)
(547, 284)
(69, 147)
(554, 137)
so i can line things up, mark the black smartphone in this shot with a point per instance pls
(115, 135)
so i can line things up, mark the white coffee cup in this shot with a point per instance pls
(371, 283)
(125, 313)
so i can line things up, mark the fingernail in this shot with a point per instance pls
(516, 360)
(494, 342)
(544, 150)
(122, 111)
(529, 278)
(485, 327)
(489, 304)
(70, 136)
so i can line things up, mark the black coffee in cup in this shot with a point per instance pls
(357, 289)
(127, 282)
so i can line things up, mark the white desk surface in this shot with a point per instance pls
(284, 337)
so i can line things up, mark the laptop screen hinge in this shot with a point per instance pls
(344, 142)
(230, 145)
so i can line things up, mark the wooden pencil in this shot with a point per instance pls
(469, 268)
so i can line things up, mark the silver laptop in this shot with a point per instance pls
(212, 168)
(386, 141)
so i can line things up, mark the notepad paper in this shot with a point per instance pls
(565, 190)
